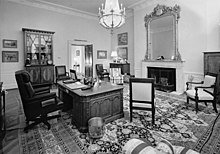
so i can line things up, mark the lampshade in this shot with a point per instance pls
(114, 54)
(112, 16)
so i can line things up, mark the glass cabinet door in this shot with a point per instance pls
(32, 49)
(46, 49)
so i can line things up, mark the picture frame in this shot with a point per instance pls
(101, 54)
(9, 56)
(123, 39)
(123, 53)
(9, 43)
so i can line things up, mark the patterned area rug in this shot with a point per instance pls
(174, 122)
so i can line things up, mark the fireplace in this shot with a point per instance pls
(165, 78)
(177, 65)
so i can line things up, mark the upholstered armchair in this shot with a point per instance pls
(204, 92)
(61, 73)
(142, 95)
(37, 103)
(115, 76)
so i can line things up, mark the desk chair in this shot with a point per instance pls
(36, 103)
(61, 73)
(142, 95)
(73, 75)
(205, 92)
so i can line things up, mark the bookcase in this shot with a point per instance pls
(38, 55)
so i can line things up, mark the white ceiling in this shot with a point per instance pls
(87, 6)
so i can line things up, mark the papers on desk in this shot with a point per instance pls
(76, 85)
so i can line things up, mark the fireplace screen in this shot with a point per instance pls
(165, 78)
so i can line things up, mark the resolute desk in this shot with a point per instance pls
(104, 101)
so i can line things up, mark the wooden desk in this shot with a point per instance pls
(104, 101)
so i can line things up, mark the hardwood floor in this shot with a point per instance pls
(10, 143)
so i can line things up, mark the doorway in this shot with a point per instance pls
(81, 58)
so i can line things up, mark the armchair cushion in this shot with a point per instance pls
(202, 94)
(209, 81)
(30, 89)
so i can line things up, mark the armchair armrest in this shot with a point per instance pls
(189, 82)
(42, 97)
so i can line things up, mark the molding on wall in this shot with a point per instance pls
(57, 8)
(62, 9)
(146, 3)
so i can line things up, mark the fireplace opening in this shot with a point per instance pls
(165, 78)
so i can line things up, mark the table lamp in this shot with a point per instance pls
(114, 55)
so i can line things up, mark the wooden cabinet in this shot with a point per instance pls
(2, 112)
(212, 64)
(41, 74)
(125, 67)
(38, 55)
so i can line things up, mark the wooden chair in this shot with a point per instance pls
(101, 72)
(73, 75)
(205, 92)
(142, 95)
(61, 73)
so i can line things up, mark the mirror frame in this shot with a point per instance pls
(161, 11)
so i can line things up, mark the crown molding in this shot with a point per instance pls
(151, 3)
(56, 8)
(62, 9)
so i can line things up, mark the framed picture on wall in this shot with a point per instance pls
(9, 43)
(101, 54)
(123, 52)
(123, 39)
(9, 56)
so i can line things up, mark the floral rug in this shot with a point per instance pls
(174, 121)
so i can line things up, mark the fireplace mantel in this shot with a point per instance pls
(178, 65)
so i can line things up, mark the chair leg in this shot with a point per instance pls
(197, 106)
(214, 105)
(130, 115)
(153, 117)
(206, 104)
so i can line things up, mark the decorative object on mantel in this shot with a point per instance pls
(112, 16)
(163, 20)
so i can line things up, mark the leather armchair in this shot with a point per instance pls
(37, 102)
(61, 73)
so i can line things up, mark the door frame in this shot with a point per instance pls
(76, 43)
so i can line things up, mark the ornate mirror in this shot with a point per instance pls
(162, 33)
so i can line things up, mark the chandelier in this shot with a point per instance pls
(112, 16)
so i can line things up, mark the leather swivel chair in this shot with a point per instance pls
(37, 103)
(61, 73)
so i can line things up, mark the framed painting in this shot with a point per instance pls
(123, 52)
(101, 54)
(9, 43)
(9, 56)
(123, 39)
